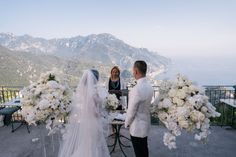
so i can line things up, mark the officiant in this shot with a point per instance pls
(116, 84)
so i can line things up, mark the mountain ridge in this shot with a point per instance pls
(95, 50)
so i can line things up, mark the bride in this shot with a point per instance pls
(84, 136)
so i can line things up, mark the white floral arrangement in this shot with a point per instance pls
(48, 100)
(112, 102)
(183, 105)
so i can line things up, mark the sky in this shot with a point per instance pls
(173, 28)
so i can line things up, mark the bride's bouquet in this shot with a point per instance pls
(112, 102)
(183, 105)
(47, 100)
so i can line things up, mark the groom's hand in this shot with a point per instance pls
(126, 125)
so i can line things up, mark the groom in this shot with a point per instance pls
(138, 114)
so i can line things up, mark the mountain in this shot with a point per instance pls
(17, 68)
(102, 50)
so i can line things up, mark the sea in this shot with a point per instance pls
(211, 70)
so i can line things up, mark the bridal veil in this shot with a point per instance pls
(84, 133)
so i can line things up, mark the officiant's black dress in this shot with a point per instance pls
(115, 86)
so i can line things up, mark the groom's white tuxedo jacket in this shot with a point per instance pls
(138, 113)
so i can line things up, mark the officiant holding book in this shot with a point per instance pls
(116, 84)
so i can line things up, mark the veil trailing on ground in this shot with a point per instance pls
(84, 132)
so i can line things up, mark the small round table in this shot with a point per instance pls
(117, 127)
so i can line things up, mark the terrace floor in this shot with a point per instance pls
(221, 143)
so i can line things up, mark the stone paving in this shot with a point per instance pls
(221, 143)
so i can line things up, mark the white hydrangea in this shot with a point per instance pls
(47, 100)
(183, 105)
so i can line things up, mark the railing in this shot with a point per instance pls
(8, 93)
(215, 93)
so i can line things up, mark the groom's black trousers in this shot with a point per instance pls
(140, 146)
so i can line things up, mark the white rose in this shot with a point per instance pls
(182, 111)
(186, 89)
(198, 125)
(180, 83)
(43, 104)
(183, 124)
(30, 118)
(181, 94)
(52, 84)
(204, 109)
(166, 103)
(162, 116)
(172, 93)
(178, 101)
(196, 101)
(193, 88)
(169, 140)
(172, 110)
(197, 116)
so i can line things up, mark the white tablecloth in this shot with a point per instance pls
(117, 116)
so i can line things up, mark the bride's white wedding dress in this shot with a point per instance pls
(84, 136)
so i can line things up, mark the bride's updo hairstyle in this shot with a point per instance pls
(95, 73)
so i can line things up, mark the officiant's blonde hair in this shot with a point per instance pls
(117, 68)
